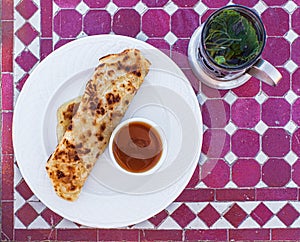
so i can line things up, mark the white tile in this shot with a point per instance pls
(296, 223)
(197, 223)
(35, 20)
(170, 38)
(260, 7)
(291, 97)
(231, 184)
(230, 157)
(230, 97)
(197, 207)
(19, 201)
(274, 222)
(140, 7)
(249, 223)
(291, 157)
(290, 66)
(82, 8)
(221, 207)
(261, 97)
(222, 223)
(34, 47)
(275, 206)
(19, 21)
(291, 35)
(172, 207)
(141, 36)
(230, 128)
(290, 127)
(261, 127)
(40, 223)
(261, 184)
(16, 2)
(290, 6)
(18, 47)
(111, 8)
(201, 185)
(55, 8)
(169, 223)
(18, 224)
(64, 224)
(17, 175)
(144, 225)
(202, 158)
(170, 8)
(292, 184)
(38, 206)
(200, 8)
(248, 207)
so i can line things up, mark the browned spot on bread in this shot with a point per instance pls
(89, 133)
(111, 73)
(112, 99)
(88, 166)
(60, 174)
(137, 73)
(103, 126)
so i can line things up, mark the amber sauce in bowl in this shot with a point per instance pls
(137, 146)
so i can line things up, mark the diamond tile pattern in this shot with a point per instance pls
(243, 126)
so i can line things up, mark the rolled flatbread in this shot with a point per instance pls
(102, 106)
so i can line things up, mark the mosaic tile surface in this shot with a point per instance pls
(246, 185)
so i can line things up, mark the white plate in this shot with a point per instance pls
(109, 198)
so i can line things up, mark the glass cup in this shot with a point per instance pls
(217, 68)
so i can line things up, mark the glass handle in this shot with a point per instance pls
(265, 72)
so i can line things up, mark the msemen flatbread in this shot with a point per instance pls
(103, 104)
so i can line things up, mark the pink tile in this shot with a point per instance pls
(275, 2)
(296, 142)
(239, 194)
(7, 91)
(161, 44)
(276, 194)
(281, 89)
(184, 22)
(45, 48)
(296, 81)
(162, 26)
(248, 3)
(161, 235)
(67, 23)
(206, 15)
(276, 112)
(296, 172)
(296, 111)
(7, 10)
(285, 234)
(26, 214)
(235, 215)
(50, 217)
(276, 51)
(245, 143)
(117, 235)
(245, 112)
(205, 234)
(209, 215)
(215, 173)
(249, 234)
(249, 89)
(77, 234)
(26, 8)
(276, 172)
(183, 215)
(196, 195)
(7, 177)
(192, 78)
(215, 4)
(185, 3)
(24, 190)
(127, 22)
(246, 172)
(46, 18)
(288, 214)
(26, 60)
(159, 218)
(27, 33)
(7, 46)
(216, 143)
(35, 234)
(157, 3)
(295, 51)
(295, 20)
(97, 22)
(67, 3)
(261, 214)
(215, 113)
(125, 3)
(96, 3)
(195, 178)
(212, 92)
(276, 21)
(179, 53)
(7, 147)
(7, 221)
(270, 145)
(21, 82)
(62, 42)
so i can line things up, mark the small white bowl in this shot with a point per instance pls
(162, 138)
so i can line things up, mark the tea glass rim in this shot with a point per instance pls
(252, 14)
